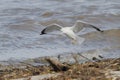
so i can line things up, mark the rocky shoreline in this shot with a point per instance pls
(39, 69)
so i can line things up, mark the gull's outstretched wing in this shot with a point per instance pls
(51, 28)
(79, 25)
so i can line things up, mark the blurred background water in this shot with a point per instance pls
(21, 22)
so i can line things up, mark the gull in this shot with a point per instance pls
(70, 32)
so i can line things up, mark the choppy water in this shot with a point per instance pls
(21, 23)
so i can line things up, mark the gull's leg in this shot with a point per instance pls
(75, 42)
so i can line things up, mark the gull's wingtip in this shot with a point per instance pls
(102, 31)
(98, 29)
(43, 32)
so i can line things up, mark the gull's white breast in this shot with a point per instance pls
(69, 32)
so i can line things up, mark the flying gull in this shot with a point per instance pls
(70, 32)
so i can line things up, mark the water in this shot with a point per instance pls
(22, 21)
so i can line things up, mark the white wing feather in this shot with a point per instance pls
(79, 25)
(51, 28)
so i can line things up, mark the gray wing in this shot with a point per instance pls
(50, 28)
(79, 25)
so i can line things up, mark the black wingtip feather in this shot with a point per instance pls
(43, 32)
(97, 28)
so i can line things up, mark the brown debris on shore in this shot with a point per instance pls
(108, 69)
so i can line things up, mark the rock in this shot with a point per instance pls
(115, 75)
